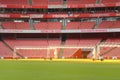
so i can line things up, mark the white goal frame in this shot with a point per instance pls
(105, 45)
(53, 48)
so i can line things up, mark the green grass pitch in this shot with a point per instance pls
(55, 70)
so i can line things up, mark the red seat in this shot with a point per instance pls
(110, 1)
(16, 25)
(5, 52)
(39, 2)
(16, 2)
(109, 24)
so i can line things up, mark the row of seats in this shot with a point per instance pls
(34, 2)
(109, 24)
(33, 42)
(55, 2)
(16, 25)
(48, 26)
(82, 42)
(70, 2)
(58, 25)
(47, 2)
(80, 25)
(17, 2)
(110, 1)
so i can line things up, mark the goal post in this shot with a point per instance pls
(34, 52)
(105, 48)
(50, 51)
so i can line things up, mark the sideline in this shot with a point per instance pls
(66, 60)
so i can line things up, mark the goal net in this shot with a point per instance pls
(53, 52)
(108, 51)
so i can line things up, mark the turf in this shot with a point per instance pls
(49, 70)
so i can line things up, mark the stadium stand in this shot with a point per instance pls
(40, 2)
(48, 26)
(72, 42)
(64, 23)
(89, 42)
(67, 53)
(16, 25)
(5, 52)
(110, 52)
(87, 25)
(54, 2)
(80, 25)
(29, 43)
(54, 42)
(73, 25)
(71, 2)
(33, 53)
(110, 1)
(15, 2)
(41, 26)
(26, 42)
(113, 41)
(109, 24)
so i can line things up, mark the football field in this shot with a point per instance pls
(58, 70)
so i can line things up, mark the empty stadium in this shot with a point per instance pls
(72, 28)
(59, 36)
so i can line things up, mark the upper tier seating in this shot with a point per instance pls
(17, 2)
(73, 25)
(16, 25)
(109, 24)
(110, 1)
(54, 2)
(80, 25)
(5, 52)
(40, 2)
(87, 25)
(73, 2)
(48, 26)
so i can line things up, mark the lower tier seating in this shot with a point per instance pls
(5, 52)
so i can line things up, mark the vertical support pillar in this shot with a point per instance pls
(98, 51)
(55, 53)
(48, 53)
(94, 53)
(14, 53)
